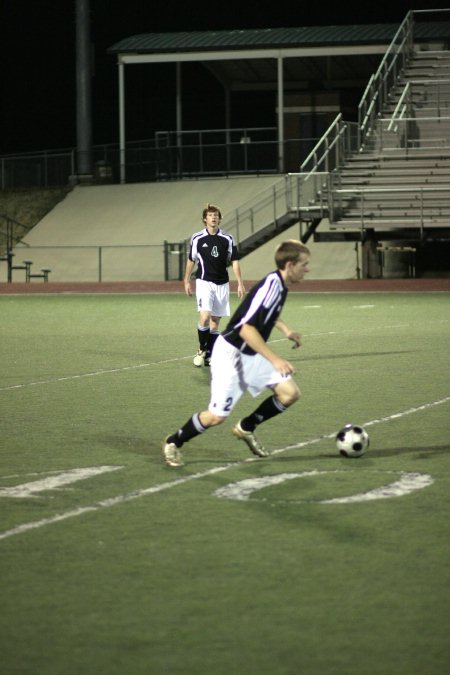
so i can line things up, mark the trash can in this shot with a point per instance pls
(174, 260)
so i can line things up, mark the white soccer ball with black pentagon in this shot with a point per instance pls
(352, 440)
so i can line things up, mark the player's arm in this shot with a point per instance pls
(290, 334)
(254, 340)
(187, 276)
(237, 273)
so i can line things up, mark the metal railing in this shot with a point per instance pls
(294, 193)
(387, 74)
(167, 156)
(391, 67)
(421, 214)
(147, 262)
(402, 130)
(409, 127)
(46, 168)
(310, 193)
(337, 143)
(121, 262)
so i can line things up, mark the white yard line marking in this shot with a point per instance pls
(54, 482)
(112, 501)
(106, 371)
(121, 499)
(388, 418)
(241, 490)
(407, 483)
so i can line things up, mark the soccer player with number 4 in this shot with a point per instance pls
(243, 361)
(213, 250)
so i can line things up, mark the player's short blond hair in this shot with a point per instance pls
(290, 251)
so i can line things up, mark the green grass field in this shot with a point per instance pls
(114, 564)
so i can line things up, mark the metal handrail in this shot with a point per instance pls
(406, 94)
(378, 85)
(398, 106)
(393, 63)
(341, 142)
(322, 141)
(290, 194)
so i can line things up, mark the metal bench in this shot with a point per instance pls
(25, 266)
(45, 271)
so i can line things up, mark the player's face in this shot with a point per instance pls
(297, 270)
(212, 221)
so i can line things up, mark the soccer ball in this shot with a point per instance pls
(352, 440)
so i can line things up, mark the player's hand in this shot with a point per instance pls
(283, 366)
(296, 338)
(241, 290)
(187, 288)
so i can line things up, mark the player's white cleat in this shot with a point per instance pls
(199, 359)
(172, 454)
(249, 437)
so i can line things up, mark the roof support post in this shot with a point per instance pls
(227, 125)
(280, 115)
(83, 84)
(122, 141)
(179, 122)
(178, 94)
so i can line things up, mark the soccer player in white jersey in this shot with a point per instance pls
(213, 250)
(242, 360)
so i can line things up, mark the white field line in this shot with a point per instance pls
(243, 489)
(121, 499)
(105, 371)
(137, 366)
(55, 481)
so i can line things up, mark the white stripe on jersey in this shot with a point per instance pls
(204, 233)
(201, 264)
(196, 254)
(268, 296)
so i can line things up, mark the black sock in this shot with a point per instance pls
(213, 335)
(268, 408)
(203, 337)
(192, 428)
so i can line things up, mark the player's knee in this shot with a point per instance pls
(210, 419)
(216, 419)
(204, 318)
(214, 323)
(288, 393)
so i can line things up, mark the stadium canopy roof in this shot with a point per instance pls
(245, 58)
(278, 59)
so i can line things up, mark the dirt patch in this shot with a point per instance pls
(317, 286)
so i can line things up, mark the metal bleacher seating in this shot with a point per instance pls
(384, 181)
(387, 177)
(402, 174)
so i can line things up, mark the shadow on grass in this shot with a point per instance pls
(151, 449)
(373, 453)
(347, 355)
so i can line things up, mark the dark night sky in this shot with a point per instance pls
(37, 45)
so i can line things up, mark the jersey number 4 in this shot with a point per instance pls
(214, 252)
